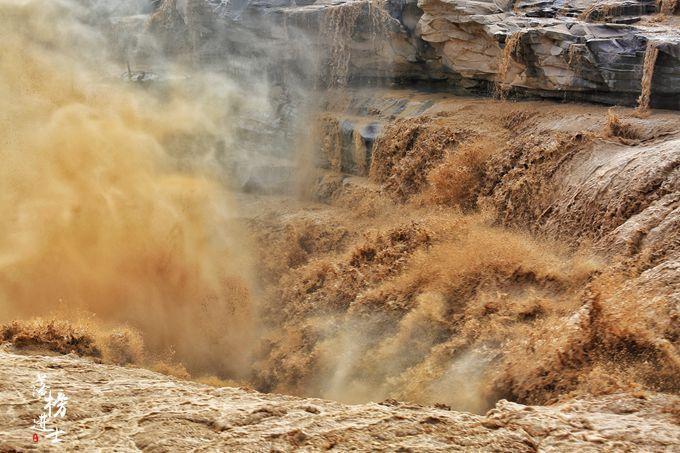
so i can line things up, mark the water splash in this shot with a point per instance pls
(98, 216)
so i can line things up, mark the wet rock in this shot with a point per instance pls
(369, 134)
(346, 144)
(357, 143)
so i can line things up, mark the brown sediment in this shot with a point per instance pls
(437, 279)
(517, 181)
(408, 149)
(56, 336)
(131, 409)
(611, 331)
(340, 150)
(651, 54)
(457, 180)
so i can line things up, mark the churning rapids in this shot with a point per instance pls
(232, 208)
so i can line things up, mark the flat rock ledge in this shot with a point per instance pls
(114, 408)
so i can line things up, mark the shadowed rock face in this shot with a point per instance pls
(570, 49)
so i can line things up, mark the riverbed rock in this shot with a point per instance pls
(129, 409)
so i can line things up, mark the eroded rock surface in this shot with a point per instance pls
(128, 409)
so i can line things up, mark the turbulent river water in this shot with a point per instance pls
(480, 249)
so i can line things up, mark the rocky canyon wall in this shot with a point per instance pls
(570, 50)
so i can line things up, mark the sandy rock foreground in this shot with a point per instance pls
(128, 409)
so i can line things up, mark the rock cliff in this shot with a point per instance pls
(574, 49)
(609, 51)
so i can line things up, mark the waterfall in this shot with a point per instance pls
(511, 44)
(330, 144)
(379, 23)
(338, 25)
(667, 7)
(651, 53)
